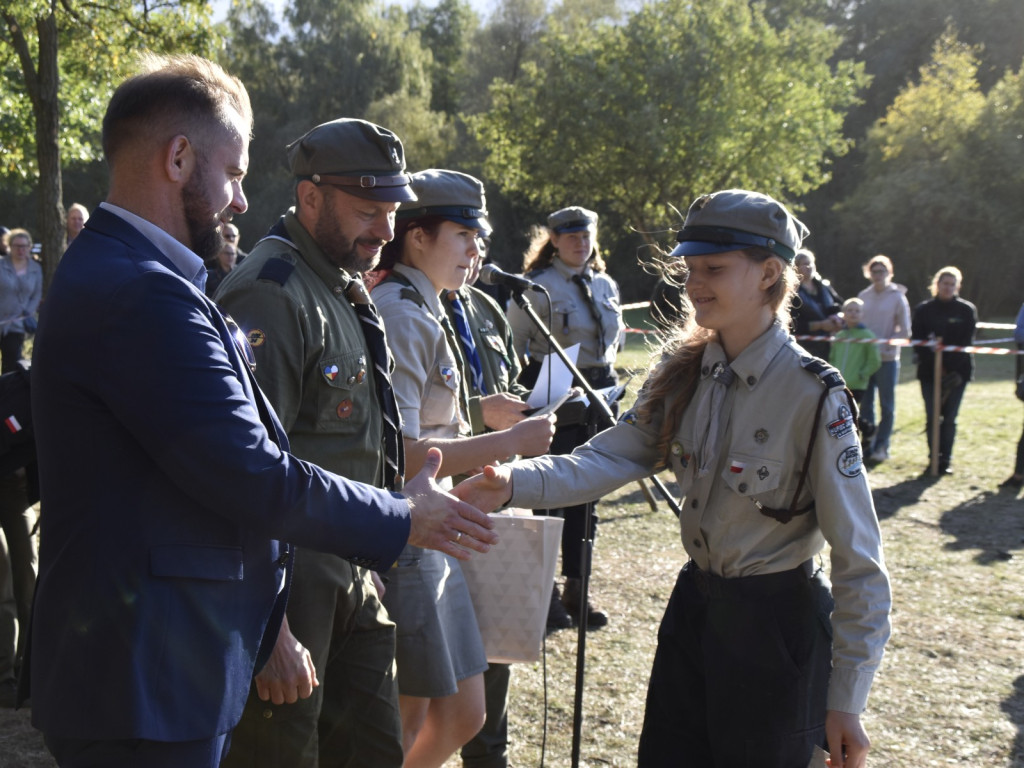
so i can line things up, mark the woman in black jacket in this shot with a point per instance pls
(951, 320)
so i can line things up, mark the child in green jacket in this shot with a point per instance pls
(857, 360)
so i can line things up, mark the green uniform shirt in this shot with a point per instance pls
(311, 356)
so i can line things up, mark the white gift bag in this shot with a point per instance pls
(511, 585)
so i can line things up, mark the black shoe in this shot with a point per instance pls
(1014, 482)
(8, 694)
(571, 601)
(558, 617)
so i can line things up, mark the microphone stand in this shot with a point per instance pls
(606, 419)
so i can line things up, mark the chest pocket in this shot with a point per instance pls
(754, 476)
(342, 391)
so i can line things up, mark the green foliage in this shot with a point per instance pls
(680, 99)
(940, 171)
(97, 44)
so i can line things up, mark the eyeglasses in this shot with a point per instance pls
(20, 244)
(230, 238)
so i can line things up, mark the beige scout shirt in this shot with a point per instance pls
(765, 424)
(571, 320)
(426, 377)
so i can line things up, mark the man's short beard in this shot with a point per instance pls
(203, 224)
(341, 251)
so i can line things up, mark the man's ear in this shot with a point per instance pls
(179, 159)
(309, 196)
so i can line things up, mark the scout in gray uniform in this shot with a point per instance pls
(490, 342)
(755, 665)
(440, 654)
(584, 310)
(316, 367)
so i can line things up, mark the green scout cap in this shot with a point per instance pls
(455, 196)
(734, 219)
(571, 219)
(363, 159)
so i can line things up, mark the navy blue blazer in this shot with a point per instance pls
(167, 490)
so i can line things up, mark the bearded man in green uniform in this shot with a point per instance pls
(328, 697)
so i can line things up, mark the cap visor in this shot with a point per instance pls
(399, 194)
(700, 248)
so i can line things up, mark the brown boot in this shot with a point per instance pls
(558, 617)
(571, 601)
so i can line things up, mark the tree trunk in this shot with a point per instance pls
(50, 211)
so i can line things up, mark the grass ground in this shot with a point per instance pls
(950, 691)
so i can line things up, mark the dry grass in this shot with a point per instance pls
(951, 688)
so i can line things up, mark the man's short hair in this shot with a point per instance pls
(171, 95)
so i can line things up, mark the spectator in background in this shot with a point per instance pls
(231, 236)
(218, 268)
(1016, 481)
(4, 248)
(887, 315)
(952, 320)
(75, 221)
(816, 308)
(856, 360)
(584, 308)
(21, 289)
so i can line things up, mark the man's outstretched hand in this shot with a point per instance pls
(442, 522)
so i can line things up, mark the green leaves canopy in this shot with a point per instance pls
(682, 99)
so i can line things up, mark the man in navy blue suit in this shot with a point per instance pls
(166, 479)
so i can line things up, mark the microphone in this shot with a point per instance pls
(491, 275)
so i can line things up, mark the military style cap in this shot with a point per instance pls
(363, 159)
(451, 195)
(571, 219)
(735, 219)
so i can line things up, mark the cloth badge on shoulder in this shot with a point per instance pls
(850, 462)
(13, 424)
(843, 424)
(448, 374)
(629, 417)
(256, 337)
(330, 372)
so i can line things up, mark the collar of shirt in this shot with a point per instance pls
(190, 265)
(752, 362)
(568, 272)
(424, 287)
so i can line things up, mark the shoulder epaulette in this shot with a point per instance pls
(408, 291)
(277, 269)
(412, 295)
(830, 376)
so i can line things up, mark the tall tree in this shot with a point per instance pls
(62, 61)
(329, 59)
(940, 182)
(681, 99)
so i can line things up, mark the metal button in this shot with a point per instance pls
(338, 290)
(283, 559)
(267, 714)
(742, 488)
(751, 380)
(693, 503)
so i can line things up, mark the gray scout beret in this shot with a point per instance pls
(451, 195)
(735, 219)
(571, 219)
(363, 159)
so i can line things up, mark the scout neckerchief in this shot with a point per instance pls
(583, 281)
(468, 345)
(709, 409)
(380, 355)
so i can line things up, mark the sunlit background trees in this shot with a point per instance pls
(893, 126)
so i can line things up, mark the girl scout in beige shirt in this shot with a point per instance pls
(756, 665)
